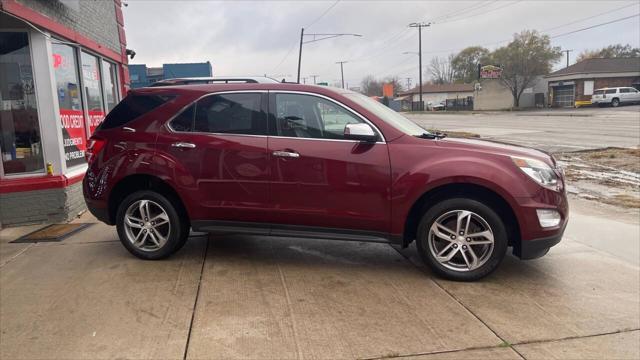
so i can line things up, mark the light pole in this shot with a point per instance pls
(420, 26)
(316, 37)
(314, 78)
(341, 71)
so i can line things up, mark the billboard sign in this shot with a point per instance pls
(490, 72)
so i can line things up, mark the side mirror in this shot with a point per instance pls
(361, 132)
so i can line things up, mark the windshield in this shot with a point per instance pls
(390, 116)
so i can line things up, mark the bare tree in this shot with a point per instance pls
(370, 86)
(442, 70)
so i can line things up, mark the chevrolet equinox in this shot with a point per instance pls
(315, 162)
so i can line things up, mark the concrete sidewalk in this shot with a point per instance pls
(257, 297)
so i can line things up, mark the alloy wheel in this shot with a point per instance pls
(147, 225)
(461, 240)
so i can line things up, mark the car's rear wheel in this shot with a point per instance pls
(462, 239)
(615, 102)
(149, 225)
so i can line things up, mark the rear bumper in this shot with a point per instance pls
(600, 101)
(101, 213)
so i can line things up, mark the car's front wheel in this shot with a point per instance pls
(149, 225)
(462, 239)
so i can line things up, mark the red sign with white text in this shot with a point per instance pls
(95, 118)
(74, 136)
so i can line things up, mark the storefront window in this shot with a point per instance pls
(109, 78)
(71, 115)
(20, 142)
(93, 90)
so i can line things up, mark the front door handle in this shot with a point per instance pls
(286, 154)
(183, 145)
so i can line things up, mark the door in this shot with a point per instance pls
(320, 180)
(563, 96)
(218, 147)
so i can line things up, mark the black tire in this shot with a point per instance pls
(615, 102)
(487, 213)
(178, 233)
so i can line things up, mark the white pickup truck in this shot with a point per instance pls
(615, 96)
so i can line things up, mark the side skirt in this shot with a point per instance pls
(298, 231)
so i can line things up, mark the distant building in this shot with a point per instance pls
(435, 94)
(574, 85)
(142, 76)
(492, 94)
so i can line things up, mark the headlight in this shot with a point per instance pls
(539, 171)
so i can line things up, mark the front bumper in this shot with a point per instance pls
(535, 248)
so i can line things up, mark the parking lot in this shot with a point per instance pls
(258, 297)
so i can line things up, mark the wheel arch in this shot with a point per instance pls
(136, 182)
(466, 190)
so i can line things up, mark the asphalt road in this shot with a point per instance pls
(552, 129)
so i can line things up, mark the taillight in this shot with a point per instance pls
(94, 147)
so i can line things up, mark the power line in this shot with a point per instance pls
(595, 26)
(472, 7)
(589, 17)
(323, 14)
(312, 23)
(480, 13)
(285, 57)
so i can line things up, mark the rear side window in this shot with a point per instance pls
(231, 114)
(598, 92)
(132, 107)
(610, 91)
(625, 90)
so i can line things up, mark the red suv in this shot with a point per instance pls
(315, 162)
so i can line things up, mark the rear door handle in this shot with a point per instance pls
(286, 154)
(184, 145)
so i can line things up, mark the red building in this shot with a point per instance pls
(62, 68)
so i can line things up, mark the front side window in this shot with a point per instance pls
(93, 90)
(307, 116)
(239, 113)
(20, 142)
(65, 68)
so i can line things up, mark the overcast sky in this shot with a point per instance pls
(261, 37)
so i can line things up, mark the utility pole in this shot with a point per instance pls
(304, 80)
(567, 51)
(314, 78)
(420, 26)
(408, 83)
(316, 37)
(341, 71)
(300, 54)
